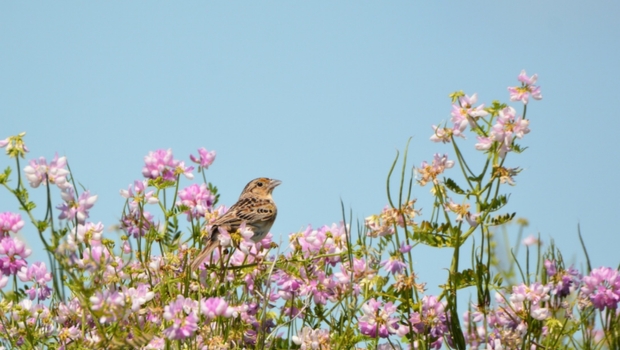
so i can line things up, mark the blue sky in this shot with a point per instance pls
(319, 95)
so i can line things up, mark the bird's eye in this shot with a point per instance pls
(260, 184)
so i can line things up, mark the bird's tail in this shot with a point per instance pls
(204, 254)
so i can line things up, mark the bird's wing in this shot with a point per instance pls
(247, 209)
(255, 210)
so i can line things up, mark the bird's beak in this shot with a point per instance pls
(274, 183)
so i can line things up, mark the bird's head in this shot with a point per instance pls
(261, 186)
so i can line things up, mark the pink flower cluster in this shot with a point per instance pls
(13, 252)
(39, 172)
(198, 199)
(509, 321)
(430, 172)
(602, 288)
(205, 158)
(506, 128)
(379, 320)
(10, 222)
(527, 88)
(76, 209)
(431, 321)
(161, 164)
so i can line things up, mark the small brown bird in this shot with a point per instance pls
(255, 207)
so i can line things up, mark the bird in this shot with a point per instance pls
(255, 207)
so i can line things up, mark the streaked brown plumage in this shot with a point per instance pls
(255, 207)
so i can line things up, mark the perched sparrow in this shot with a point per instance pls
(255, 207)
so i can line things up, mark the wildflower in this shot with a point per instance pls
(431, 320)
(109, 303)
(320, 286)
(205, 158)
(563, 281)
(38, 274)
(326, 239)
(378, 320)
(137, 194)
(527, 88)
(464, 113)
(484, 143)
(198, 199)
(41, 173)
(429, 172)
(443, 135)
(89, 233)
(137, 223)
(94, 257)
(181, 313)
(310, 338)
(405, 248)
(12, 255)
(72, 209)
(15, 145)
(10, 222)
(214, 307)
(393, 265)
(288, 285)
(602, 287)
(138, 296)
(531, 240)
(161, 164)
(507, 128)
(377, 227)
(505, 175)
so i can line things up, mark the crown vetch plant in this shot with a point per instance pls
(328, 289)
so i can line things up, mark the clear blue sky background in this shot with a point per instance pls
(319, 95)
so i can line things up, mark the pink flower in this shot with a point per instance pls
(54, 173)
(442, 135)
(72, 209)
(198, 199)
(110, 304)
(378, 320)
(139, 296)
(162, 164)
(138, 195)
(13, 253)
(310, 338)
(38, 274)
(10, 222)
(464, 113)
(432, 319)
(484, 143)
(527, 88)
(393, 265)
(137, 223)
(508, 127)
(531, 240)
(88, 233)
(181, 315)
(214, 307)
(602, 287)
(204, 159)
(429, 172)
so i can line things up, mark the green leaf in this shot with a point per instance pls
(500, 219)
(452, 186)
(433, 234)
(4, 177)
(496, 204)
(518, 149)
(464, 279)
